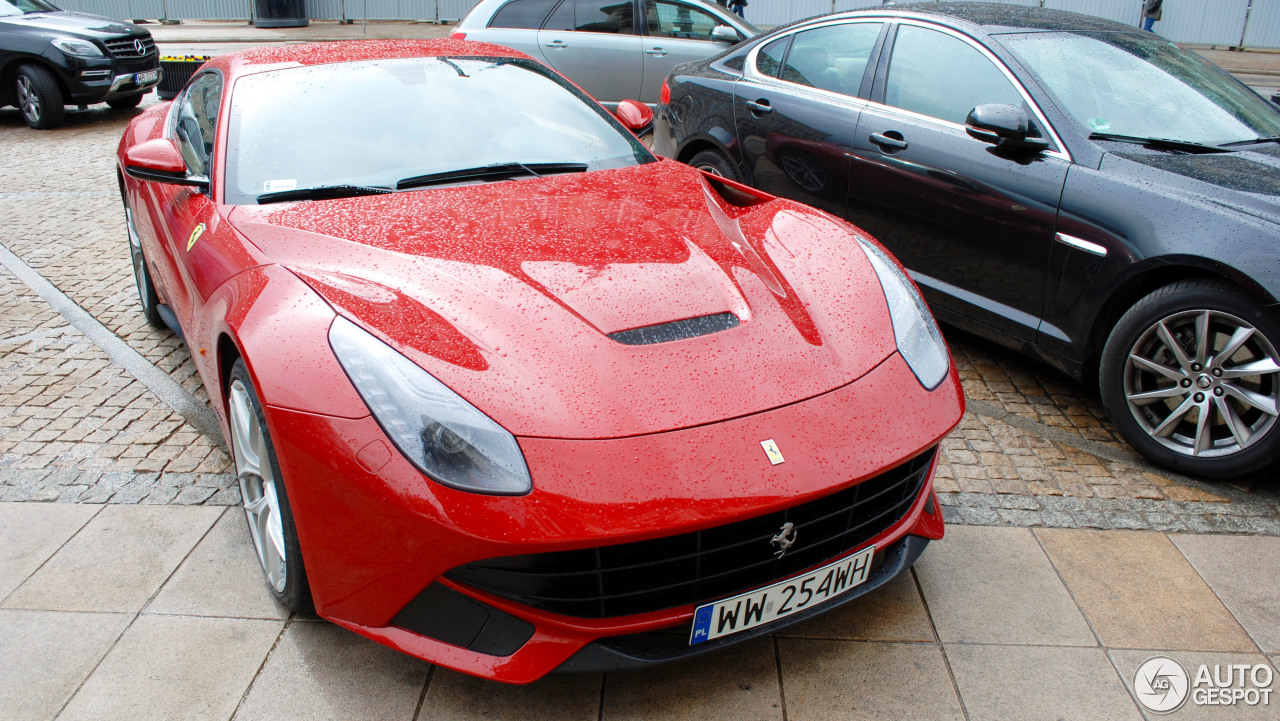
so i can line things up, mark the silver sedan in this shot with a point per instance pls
(604, 46)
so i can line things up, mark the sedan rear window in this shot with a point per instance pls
(522, 14)
(373, 124)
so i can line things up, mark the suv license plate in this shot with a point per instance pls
(756, 608)
(147, 77)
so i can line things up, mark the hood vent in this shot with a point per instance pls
(676, 329)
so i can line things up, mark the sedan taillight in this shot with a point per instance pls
(664, 95)
(455, 35)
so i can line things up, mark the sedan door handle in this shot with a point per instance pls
(760, 106)
(887, 142)
(557, 44)
(656, 51)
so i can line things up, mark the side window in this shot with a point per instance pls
(941, 76)
(832, 58)
(769, 60)
(522, 14)
(594, 16)
(678, 20)
(197, 122)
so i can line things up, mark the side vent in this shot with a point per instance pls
(676, 329)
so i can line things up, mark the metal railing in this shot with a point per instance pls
(1231, 23)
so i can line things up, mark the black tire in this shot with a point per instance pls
(147, 296)
(714, 162)
(38, 96)
(296, 593)
(125, 102)
(1238, 435)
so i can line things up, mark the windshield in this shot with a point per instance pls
(377, 123)
(22, 7)
(1134, 84)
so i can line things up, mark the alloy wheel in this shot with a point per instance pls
(1203, 383)
(135, 256)
(257, 486)
(28, 100)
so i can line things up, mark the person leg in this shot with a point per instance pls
(1148, 24)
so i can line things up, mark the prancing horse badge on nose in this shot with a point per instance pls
(771, 450)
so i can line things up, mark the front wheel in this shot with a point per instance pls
(1191, 376)
(39, 97)
(266, 504)
(147, 296)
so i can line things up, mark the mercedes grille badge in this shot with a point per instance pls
(138, 46)
(785, 539)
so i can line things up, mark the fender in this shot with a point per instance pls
(275, 320)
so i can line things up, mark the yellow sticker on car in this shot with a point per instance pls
(195, 235)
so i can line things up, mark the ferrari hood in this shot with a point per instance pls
(519, 295)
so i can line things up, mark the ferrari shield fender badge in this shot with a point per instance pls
(785, 539)
(772, 451)
(195, 235)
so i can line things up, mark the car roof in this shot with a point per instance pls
(254, 60)
(997, 17)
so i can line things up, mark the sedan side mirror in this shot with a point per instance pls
(725, 34)
(159, 161)
(635, 116)
(1004, 126)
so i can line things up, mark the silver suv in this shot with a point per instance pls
(605, 46)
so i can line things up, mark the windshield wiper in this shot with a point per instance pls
(1160, 143)
(322, 192)
(1255, 141)
(491, 172)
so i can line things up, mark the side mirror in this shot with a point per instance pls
(725, 34)
(634, 116)
(159, 161)
(1004, 126)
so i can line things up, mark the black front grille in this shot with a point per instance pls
(127, 49)
(695, 567)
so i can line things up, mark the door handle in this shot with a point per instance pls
(760, 106)
(887, 142)
(557, 44)
(656, 51)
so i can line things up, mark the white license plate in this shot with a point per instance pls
(732, 615)
(147, 77)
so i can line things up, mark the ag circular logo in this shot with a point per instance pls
(1161, 684)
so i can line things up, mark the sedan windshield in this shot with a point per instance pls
(23, 7)
(385, 125)
(1139, 86)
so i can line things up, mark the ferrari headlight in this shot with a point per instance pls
(446, 437)
(77, 47)
(919, 340)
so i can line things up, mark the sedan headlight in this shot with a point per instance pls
(77, 47)
(919, 340)
(446, 437)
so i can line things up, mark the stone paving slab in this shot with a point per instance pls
(174, 665)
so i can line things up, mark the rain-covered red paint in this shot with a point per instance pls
(517, 296)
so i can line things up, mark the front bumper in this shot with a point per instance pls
(375, 534)
(101, 79)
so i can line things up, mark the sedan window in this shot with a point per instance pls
(522, 14)
(366, 126)
(679, 20)
(594, 16)
(942, 76)
(769, 59)
(832, 58)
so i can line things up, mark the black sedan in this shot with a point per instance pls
(50, 58)
(1074, 188)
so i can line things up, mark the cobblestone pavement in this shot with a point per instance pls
(1035, 448)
